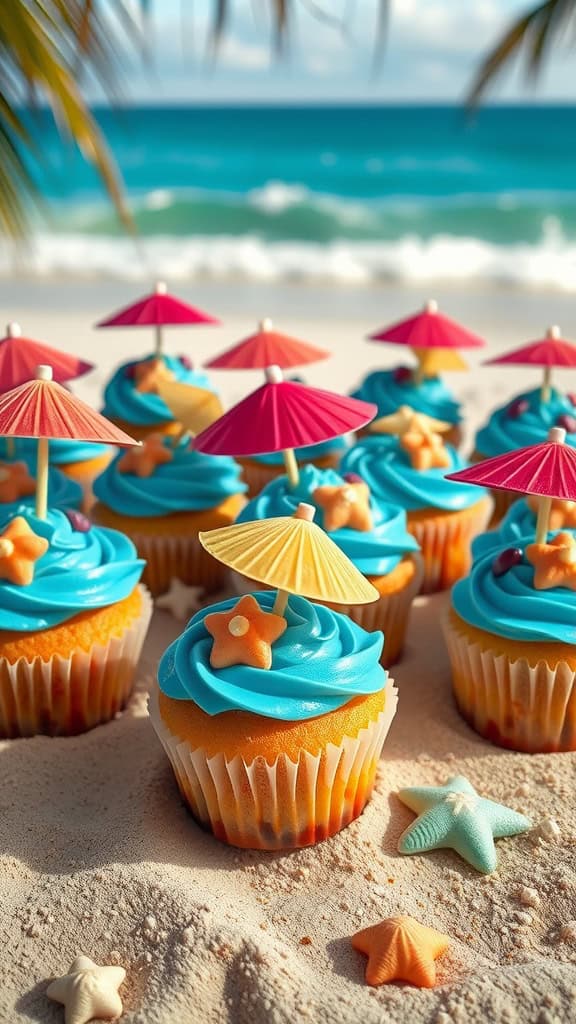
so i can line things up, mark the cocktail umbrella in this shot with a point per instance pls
(281, 416)
(267, 347)
(428, 329)
(159, 309)
(292, 555)
(45, 410)
(20, 356)
(548, 352)
(546, 470)
(193, 408)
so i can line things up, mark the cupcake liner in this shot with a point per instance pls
(389, 613)
(282, 806)
(257, 474)
(177, 557)
(66, 696)
(445, 543)
(512, 703)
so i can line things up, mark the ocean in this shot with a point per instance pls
(335, 194)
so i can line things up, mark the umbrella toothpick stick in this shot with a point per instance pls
(419, 373)
(291, 467)
(42, 373)
(543, 519)
(161, 289)
(553, 333)
(307, 512)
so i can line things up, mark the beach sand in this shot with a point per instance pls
(99, 856)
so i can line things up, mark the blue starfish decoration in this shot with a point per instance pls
(455, 817)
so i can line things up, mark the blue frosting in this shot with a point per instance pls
(62, 492)
(189, 483)
(335, 446)
(61, 452)
(123, 402)
(374, 552)
(80, 571)
(503, 433)
(322, 661)
(431, 397)
(518, 523)
(387, 470)
(511, 607)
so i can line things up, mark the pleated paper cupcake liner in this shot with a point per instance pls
(515, 704)
(282, 806)
(445, 544)
(389, 613)
(177, 557)
(66, 696)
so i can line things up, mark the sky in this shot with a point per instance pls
(431, 52)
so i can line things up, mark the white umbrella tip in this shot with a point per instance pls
(13, 330)
(161, 287)
(305, 511)
(274, 375)
(431, 306)
(44, 373)
(557, 435)
(553, 332)
(265, 324)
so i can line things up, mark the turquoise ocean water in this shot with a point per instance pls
(351, 194)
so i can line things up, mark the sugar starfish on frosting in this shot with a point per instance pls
(401, 949)
(15, 481)
(562, 513)
(149, 373)
(425, 448)
(345, 505)
(455, 817)
(406, 418)
(244, 635)
(143, 460)
(20, 548)
(554, 563)
(88, 991)
(180, 600)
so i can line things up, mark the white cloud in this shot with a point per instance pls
(236, 54)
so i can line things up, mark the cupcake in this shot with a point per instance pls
(259, 470)
(523, 421)
(511, 635)
(161, 495)
(442, 515)
(131, 398)
(520, 521)
(390, 389)
(273, 723)
(74, 618)
(18, 487)
(371, 532)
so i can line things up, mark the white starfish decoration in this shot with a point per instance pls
(88, 991)
(180, 600)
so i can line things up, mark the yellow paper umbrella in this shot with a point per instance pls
(405, 419)
(293, 555)
(194, 408)
(432, 361)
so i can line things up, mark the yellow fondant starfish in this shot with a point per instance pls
(244, 635)
(554, 563)
(149, 374)
(20, 548)
(401, 949)
(143, 460)
(15, 481)
(346, 505)
(425, 448)
(406, 418)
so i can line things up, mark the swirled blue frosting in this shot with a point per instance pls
(322, 661)
(387, 470)
(62, 493)
(79, 571)
(518, 523)
(61, 453)
(374, 552)
(388, 392)
(503, 432)
(510, 606)
(123, 402)
(335, 446)
(189, 483)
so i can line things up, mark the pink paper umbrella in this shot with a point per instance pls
(267, 347)
(43, 409)
(20, 356)
(282, 415)
(428, 329)
(157, 310)
(550, 351)
(547, 470)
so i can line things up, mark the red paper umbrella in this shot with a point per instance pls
(550, 351)
(280, 416)
(42, 408)
(547, 470)
(428, 329)
(157, 310)
(20, 356)
(266, 348)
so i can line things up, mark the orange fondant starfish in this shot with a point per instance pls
(142, 461)
(425, 448)
(20, 548)
(401, 949)
(346, 505)
(244, 635)
(562, 513)
(554, 563)
(15, 481)
(149, 373)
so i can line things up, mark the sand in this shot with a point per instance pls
(99, 856)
